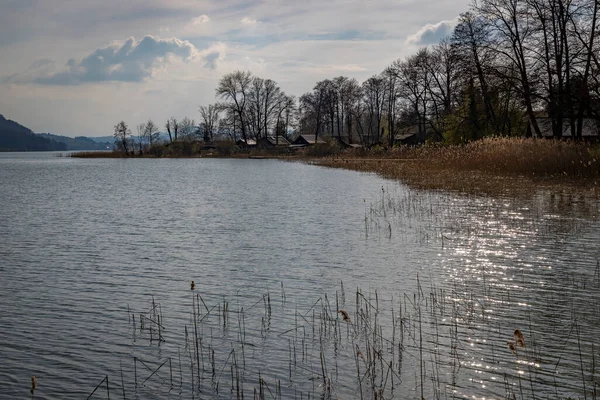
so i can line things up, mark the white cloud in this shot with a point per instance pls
(197, 27)
(131, 61)
(248, 21)
(432, 33)
(213, 55)
(201, 20)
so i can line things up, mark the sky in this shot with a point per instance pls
(78, 67)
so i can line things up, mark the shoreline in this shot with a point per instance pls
(465, 181)
(516, 166)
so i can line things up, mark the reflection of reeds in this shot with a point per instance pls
(420, 342)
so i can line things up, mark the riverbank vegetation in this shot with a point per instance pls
(489, 165)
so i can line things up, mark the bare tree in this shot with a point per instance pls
(471, 44)
(187, 129)
(172, 129)
(234, 88)
(373, 91)
(285, 111)
(210, 120)
(151, 132)
(121, 135)
(313, 105)
(512, 27)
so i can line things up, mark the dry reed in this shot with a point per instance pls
(489, 165)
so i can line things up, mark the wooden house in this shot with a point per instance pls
(273, 141)
(412, 135)
(308, 140)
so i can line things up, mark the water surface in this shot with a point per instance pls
(85, 244)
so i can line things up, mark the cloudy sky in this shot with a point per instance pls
(77, 67)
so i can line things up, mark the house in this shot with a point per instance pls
(412, 135)
(243, 145)
(345, 142)
(273, 141)
(590, 127)
(308, 140)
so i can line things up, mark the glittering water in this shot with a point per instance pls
(86, 245)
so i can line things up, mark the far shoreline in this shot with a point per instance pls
(489, 166)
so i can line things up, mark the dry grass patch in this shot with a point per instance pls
(489, 165)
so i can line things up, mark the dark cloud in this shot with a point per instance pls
(130, 62)
(432, 33)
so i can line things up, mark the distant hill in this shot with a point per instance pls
(103, 139)
(82, 142)
(16, 137)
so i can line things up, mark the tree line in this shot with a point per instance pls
(506, 64)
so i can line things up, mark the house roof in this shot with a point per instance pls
(404, 136)
(280, 140)
(413, 130)
(310, 139)
(250, 142)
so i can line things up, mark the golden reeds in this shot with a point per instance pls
(488, 165)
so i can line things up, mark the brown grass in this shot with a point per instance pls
(489, 165)
(99, 154)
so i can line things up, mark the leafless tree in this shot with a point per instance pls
(210, 120)
(122, 134)
(187, 129)
(234, 88)
(313, 105)
(511, 26)
(172, 129)
(151, 132)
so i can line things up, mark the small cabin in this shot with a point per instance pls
(346, 142)
(412, 135)
(308, 140)
(272, 141)
(243, 145)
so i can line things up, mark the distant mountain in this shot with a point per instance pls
(16, 137)
(82, 142)
(103, 139)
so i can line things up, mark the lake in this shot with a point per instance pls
(97, 257)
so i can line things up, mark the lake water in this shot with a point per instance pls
(97, 256)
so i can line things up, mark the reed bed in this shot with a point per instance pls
(489, 165)
(98, 154)
(432, 344)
